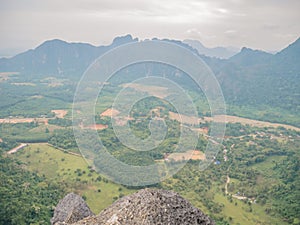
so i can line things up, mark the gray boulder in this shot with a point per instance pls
(150, 207)
(70, 209)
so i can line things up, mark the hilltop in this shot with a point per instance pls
(147, 207)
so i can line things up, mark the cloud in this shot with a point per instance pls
(230, 32)
(257, 24)
(270, 26)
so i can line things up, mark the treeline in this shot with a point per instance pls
(60, 122)
(63, 138)
(33, 100)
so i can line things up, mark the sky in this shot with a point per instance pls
(267, 25)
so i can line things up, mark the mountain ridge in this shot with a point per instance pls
(69, 57)
(218, 52)
(250, 78)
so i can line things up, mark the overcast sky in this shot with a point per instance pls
(258, 24)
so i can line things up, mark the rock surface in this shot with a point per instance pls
(70, 209)
(150, 207)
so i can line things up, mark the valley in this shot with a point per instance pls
(254, 178)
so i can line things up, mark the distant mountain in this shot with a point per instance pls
(288, 59)
(58, 58)
(250, 77)
(257, 78)
(218, 52)
(249, 57)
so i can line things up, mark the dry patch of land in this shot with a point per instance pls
(97, 127)
(5, 75)
(203, 130)
(191, 154)
(110, 112)
(157, 91)
(228, 119)
(37, 97)
(43, 127)
(122, 121)
(256, 123)
(24, 84)
(53, 81)
(24, 120)
(59, 113)
(184, 119)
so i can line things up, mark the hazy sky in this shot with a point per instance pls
(259, 24)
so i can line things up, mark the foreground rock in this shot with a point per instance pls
(70, 209)
(150, 207)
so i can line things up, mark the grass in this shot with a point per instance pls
(62, 167)
(42, 128)
(266, 167)
(241, 214)
(59, 166)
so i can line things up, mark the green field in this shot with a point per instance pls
(74, 172)
(78, 177)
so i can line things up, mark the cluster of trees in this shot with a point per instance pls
(21, 132)
(8, 144)
(63, 138)
(60, 122)
(35, 99)
(25, 197)
(245, 160)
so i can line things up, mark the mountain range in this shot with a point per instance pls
(58, 57)
(248, 78)
(218, 52)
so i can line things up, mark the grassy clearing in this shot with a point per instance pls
(74, 171)
(266, 167)
(240, 213)
(157, 91)
(42, 128)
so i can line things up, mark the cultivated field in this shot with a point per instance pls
(159, 92)
(184, 119)
(191, 154)
(229, 119)
(97, 127)
(24, 120)
(24, 84)
(5, 75)
(74, 171)
(110, 112)
(256, 123)
(59, 113)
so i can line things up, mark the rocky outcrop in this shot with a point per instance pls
(149, 207)
(70, 209)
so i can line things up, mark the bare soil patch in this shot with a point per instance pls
(37, 97)
(24, 84)
(110, 112)
(184, 119)
(97, 127)
(122, 121)
(203, 130)
(59, 113)
(191, 154)
(157, 91)
(24, 120)
(5, 75)
(228, 119)
(251, 122)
